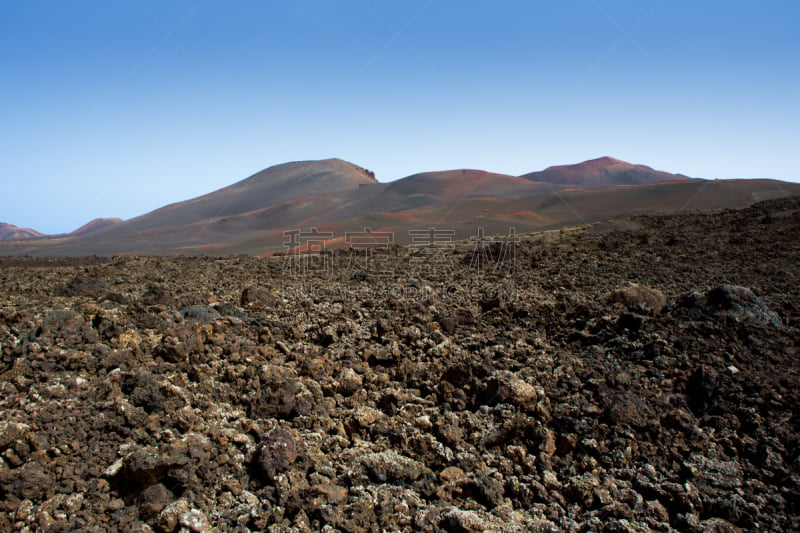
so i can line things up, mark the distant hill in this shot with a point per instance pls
(272, 186)
(337, 198)
(9, 232)
(457, 184)
(601, 172)
(95, 225)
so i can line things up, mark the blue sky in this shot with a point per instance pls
(117, 107)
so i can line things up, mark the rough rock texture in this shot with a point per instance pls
(386, 393)
(638, 296)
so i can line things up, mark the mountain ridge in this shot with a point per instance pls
(603, 171)
(10, 231)
(94, 225)
(251, 216)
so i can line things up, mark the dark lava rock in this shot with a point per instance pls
(349, 382)
(743, 305)
(142, 468)
(716, 473)
(107, 328)
(276, 453)
(639, 296)
(405, 406)
(58, 324)
(283, 397)
(484, 490)
(200, 313)
(256, 295)
(630, 321)
(489, 301)
(739, 303)
(629, 409)
(154, 498)
(702, 387)
(177, 344)
(82, 285)
(505, 387)
(116, 358)
(156, 295)
(30, 481)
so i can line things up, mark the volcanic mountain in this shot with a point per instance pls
(335, 198)
(289, 182)
(95, 225)
(10, 232)
(603, 172)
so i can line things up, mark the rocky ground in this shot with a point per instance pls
(641, 376)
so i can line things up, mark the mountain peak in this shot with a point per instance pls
(344, 173)
(594, 164)
(12, 232)
(605, 160)
(272, 186)
(603, 171)
(96, 225)
(366, 172)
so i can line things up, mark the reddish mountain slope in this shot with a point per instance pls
(601, 172)
(458, 184)
(272, 186)
(9, 232)
(337, 197)
(95, 225)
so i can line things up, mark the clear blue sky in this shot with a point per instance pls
(117, 107)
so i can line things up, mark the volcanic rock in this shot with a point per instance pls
(737, 302)
(276, 452)
(391, 466)
(638, 296)
(380, 406)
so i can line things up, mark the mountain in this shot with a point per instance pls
(283, 196)
(272, 186)
(601, 172)
(95, 225)
(457, 184)
(11, 232)
(259, 215)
